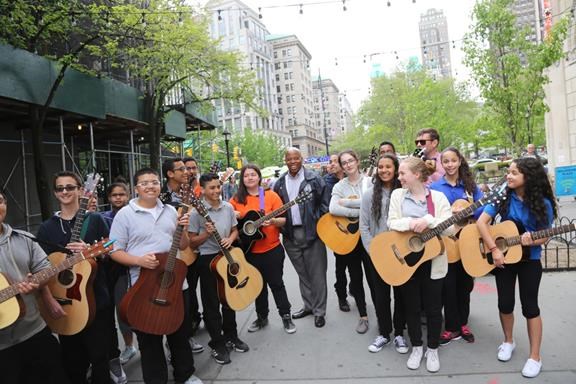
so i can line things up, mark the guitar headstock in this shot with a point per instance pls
(372, 157)
(197, 203)
(215, 167)
(498, 192)
(92, 180)
(185, 192)
(97, 249)
(420, 153)
(303, 196)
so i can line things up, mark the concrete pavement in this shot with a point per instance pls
(337, 354)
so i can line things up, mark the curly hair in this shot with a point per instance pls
(379, 186)
(242, 194)
(537, 188)
(464, 173)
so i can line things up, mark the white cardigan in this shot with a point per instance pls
(397, 222)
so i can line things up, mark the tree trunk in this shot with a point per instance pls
(40, 171)
(154, 131)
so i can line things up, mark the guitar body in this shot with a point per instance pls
(239, 284)
(340, 234)
(397, 255)
(476, 258)
(153, 307)
(11, 309)
(248, 231)
(73, 289)
(452, 250)
(188, 256)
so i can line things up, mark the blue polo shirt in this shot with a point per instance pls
(519, 212)
(456, 192)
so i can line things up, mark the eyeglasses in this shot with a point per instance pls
(70, 188)
(181, 169)
(146, 183)
(422, 142)
(191, 168)
(345, 163)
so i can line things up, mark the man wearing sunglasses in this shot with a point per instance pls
(429, 139)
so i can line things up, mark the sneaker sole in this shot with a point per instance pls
(402, 351)
(196, 351)
(290, 331)
(375, 350)
(451, 340)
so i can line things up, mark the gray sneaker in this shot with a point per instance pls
(127, 354)
(257, 325)
(289, 326)
(362, 326)
(117, 374)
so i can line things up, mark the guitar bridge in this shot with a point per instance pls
(160, 301)
(63, 301)
(243, 283)
(397, 254)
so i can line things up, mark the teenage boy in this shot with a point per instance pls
(135, 247)
(220, 325)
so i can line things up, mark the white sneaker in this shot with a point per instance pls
(432, 360)
(532, 368)
(400, 344)
(196, 347)
(128, 353)
(378, 343)
(193, 380)
(505, 351)
(415, 358)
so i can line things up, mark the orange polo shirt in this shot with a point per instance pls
(272, 233)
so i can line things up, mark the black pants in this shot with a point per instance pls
(382, 300)
(220, 325)
(153, 359)
(192, 278)
(423, 292)
(36, 360)
(91, 346)
(456, 296)
(529, 273)
(340, 265)
(271, 266)
(353, 261)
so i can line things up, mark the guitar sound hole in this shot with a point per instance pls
(249, 228)
(416, 244)
(501, 244)
(234, 268)
(66, 277)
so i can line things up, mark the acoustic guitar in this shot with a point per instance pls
(372, 157)
(249, 225)
(476, 257)
(155, 304)
(340, 234)
(11, 305)
(451, 242)
(396, 255)
(238, 282)
(73, 287)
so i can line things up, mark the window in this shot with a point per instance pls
(278, 88)
(280, 112)
(277, 77)
(291, 75)
(289, 52)
(277, 66)
(285, 75)
(283, 53)
(275, 54)
(287, 87)
(279, 100)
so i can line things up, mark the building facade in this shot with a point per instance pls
(435, 43)
(240, 29)
(328, 109)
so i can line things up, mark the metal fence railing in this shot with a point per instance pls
(559, 253)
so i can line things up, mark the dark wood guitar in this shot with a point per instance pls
(155, 304)
(249, 225)
(11, 305)
(476, 257)
(396, 255)
(73, 287)
(238, 282)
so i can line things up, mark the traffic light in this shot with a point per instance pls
(236, 153)
(239, 164)
(189, 152)
(214, 147)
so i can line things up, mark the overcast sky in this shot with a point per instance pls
(365, 28)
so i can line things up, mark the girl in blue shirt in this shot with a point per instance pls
(456, 184)
(531, 205)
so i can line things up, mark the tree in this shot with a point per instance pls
(406, 101)
(259, 148)
(509, 69)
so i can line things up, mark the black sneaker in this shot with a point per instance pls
(344, 306)
(221, 355)
(289, 326)
(257, 325)
(237, 345)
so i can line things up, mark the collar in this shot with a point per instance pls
(298, 175)
(445, 182)
(138, 208)
(408, 195)
(209, 206)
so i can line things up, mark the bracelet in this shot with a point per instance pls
(491, 249)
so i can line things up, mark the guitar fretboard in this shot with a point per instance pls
(204, 213)
(516, 240)
(276, 212)
(80, 215)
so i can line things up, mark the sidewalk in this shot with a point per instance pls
(337, 354)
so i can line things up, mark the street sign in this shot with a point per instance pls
(565, 181)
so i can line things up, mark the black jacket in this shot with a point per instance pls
(312, 209)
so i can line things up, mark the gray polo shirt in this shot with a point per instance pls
(137, 232)
(224, 218)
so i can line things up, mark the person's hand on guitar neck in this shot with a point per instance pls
(418, 225)
(79, 246)
(26, 286)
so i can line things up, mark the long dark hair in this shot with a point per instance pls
(242, 193)
(536, 189)
(379, 186)
(464, 173)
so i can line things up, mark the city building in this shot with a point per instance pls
(239, 29)
(435, 43)
(529, 14)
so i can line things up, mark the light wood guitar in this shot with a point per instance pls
(249, 225)
(11, 305)
(451, 242)
(340, 234)
(238, 282)
(73, 288)
(155, 303)
(397, 255)
(476, 257)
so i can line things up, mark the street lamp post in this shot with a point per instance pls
(226, 133)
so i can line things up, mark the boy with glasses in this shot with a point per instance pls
(429, 139)
(92, 345)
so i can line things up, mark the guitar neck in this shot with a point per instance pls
(516, 240)
(275, 213)
(42, 276)
(80, 216)
(175, 247)
(218, 238)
